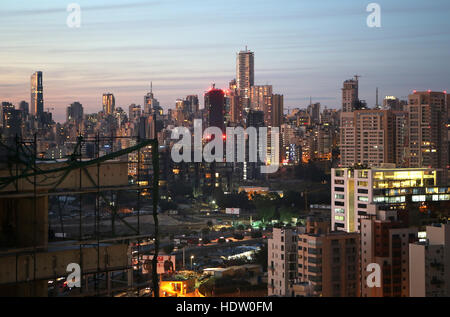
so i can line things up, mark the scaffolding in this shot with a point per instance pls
(98, 167)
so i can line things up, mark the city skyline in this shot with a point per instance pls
(307, 52)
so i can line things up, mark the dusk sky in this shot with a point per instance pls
(303, 48)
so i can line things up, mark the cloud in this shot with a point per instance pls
(62, 9)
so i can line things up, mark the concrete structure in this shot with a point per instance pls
(350, 95)
(428, 137)
(329, 264)
(385, 241)
(27, 258)
(429, 263)
(401, 138)
(258, 96)
(353, 190)
(367, 138)
(282, 261)
(277, 110)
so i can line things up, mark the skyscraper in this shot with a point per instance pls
(314, 112)
(74, 112)
(427, 130)
(214, 105)
(235, 115)
(368, 138)
(24, 107)
(134, 112)
(37, 94)
(350, 95)
(150, 103)
(258, 96)
(109, 103)
(10, 120)
(192, 103)
(393, 103)
(245, 74)
(277, 110)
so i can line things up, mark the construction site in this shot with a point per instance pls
(59, 212)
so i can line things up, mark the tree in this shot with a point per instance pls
(261, 256)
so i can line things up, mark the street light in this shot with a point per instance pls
(192, 257)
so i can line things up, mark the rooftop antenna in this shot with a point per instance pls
(377, 99)
(357, 77)
(151, 87)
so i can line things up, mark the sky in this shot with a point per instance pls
(304, 48)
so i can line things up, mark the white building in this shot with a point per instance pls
(353, 190)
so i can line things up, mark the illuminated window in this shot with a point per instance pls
(379, 199)
(417, 198)
(363, 174)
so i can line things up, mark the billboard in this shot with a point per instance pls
(165, 265)
(232, 211)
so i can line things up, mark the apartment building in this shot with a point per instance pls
(282, 261)
(428, 137)
(329, 264)
(429, 263)
(385, 241)
(350, 95)
(368, 138)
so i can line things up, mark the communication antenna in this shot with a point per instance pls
(377, 98)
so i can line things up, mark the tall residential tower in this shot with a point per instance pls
(245, 74)
(37, 94)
